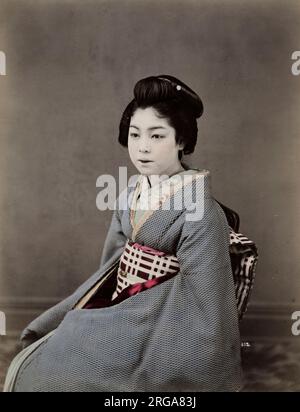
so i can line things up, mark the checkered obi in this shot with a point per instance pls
(141, 266)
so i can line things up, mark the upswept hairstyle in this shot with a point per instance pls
(172, 99)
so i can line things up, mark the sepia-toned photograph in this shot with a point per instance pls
(149, 198)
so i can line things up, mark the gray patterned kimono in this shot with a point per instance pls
(180, 335)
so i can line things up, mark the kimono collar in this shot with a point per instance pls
(149, 182)
(153, 182)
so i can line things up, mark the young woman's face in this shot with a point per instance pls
(152, 139)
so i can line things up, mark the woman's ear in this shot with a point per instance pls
(180, 144)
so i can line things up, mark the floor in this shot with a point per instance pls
(267, 367)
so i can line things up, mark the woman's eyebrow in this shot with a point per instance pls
(149, 128)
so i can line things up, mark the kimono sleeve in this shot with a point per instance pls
(204, 259)
(115, 239)
(46, 322)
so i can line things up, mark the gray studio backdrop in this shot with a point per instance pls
(71, 66)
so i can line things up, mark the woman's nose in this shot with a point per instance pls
(145, 145)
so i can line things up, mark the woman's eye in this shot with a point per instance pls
(158, 136)
(134, 135)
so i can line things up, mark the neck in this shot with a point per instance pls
(154, 179)
(179, 168)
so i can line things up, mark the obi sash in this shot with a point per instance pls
(143, 264)
(142, 267)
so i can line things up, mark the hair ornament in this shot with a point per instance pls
(178, 87)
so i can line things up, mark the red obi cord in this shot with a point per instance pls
(97, 302)
(148, 249)
(102, 298)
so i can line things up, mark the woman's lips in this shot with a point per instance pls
(145, 161)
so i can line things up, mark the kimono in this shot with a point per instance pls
(180, 334)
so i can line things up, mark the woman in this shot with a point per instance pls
(160, 314)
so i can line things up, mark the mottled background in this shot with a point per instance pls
(71, 67)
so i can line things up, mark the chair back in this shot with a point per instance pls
(244, 255)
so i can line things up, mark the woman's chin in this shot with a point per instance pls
(146, 168)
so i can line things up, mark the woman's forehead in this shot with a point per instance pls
(148, 117)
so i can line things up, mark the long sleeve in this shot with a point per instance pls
(46, 322)
(203, 255)
(115, 239)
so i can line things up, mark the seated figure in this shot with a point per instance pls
(162, 311)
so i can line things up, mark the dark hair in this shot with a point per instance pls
(171, 98)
